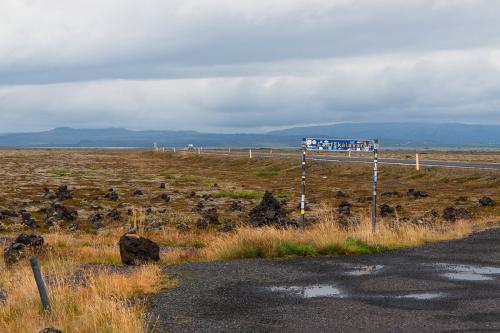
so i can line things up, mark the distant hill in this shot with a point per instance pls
(389, 134)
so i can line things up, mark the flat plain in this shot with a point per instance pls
(197, 208)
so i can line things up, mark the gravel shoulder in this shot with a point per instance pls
(451, 286)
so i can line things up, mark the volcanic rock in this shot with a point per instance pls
(390, 194)
(386, 211)
(165, 197)
(28, 220)
(95, 219)
(58, 211)
(32, 241)
(8, 213)
(135, 250)
(340, 194)
(486, 201)
(48, 194)
(269, 212)
(114, 214)
(63, 193)
(236, 206)
(138, 192)
(199, 207)
(112, 195)
(182, 227)
(453, 214)
(13, 253)
(50, 330)
(344, 208)
(163, 186)
(417, 194)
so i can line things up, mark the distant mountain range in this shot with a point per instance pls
(390, 135)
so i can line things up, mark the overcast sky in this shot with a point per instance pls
(240, 66)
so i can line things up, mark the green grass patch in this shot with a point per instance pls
(190, 178)
(269, 171)
(286, 248)
(209, 181)
(60, 172)
(237, 194)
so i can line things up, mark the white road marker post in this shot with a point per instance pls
(417, 162)
(250, 153)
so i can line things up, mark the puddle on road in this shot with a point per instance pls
(313, 291)
(365, 270)
(468, 272)
(422, 296)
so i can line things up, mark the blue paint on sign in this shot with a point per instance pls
(340, 145)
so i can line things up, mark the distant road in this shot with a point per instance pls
(391, 161)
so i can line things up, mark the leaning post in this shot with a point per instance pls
(303, 186)
(40, 284)
(375, 175)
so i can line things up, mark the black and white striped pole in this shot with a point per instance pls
(303, 186)
(375, 175)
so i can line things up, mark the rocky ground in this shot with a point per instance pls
(87, 190)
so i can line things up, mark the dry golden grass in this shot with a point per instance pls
(98, 302)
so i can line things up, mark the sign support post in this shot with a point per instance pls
(375, 176)
(303, 186)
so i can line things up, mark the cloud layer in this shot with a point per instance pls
(247, 65)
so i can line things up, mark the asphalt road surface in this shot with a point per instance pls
(354, 159)
(444, 287)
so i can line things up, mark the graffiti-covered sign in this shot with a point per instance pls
(340, 145)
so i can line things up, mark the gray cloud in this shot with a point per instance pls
(246, 65)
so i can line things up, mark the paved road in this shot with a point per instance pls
(445, 287)
(353, 159)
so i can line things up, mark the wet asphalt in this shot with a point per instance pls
(451, 286)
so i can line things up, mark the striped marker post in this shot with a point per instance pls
(303, 186)
(375, 175)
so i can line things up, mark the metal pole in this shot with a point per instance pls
(375, 175)
(303, 186)
(40, 284)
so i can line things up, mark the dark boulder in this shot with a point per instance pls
(112, 195)
(340, 194)
(34, 242)
(114, 214)
(13, 253)
(165, 197)
(28, 220)
(50, 330)
(163, 186)
(199, 207)
(269, 212)
(486, 201)
(390, 194)
(95, 219)
(417, 194)
(138, 192)
(210, 216)
(9, 213)
(454, 214)
(48, 194)
(63, 193)
(17, 250)
(135, 250)
(57, 211)
(236, 206)
(344, 208)
(386, 211)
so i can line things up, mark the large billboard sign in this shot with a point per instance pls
(340, 145)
